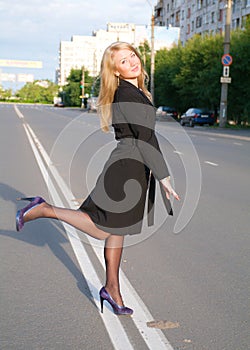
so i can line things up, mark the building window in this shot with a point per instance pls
(188, 12)
(198, 22)
(220, 19)
(212, 17)
(188, 29)
(192, 28)
(199, 4)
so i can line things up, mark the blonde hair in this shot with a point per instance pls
(109, 82)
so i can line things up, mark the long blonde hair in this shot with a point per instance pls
(109, 82)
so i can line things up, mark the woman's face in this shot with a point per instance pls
(128, 64)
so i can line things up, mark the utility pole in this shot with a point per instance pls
(82, 86)
(152, 63)
(224, 82)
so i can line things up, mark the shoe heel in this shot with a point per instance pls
(101, 302)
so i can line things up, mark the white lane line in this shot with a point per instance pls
(212, 138)
(237, 143)
(178, 152)
(211, 163)
(154, 338)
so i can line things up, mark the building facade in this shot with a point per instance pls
(87, 51)
(200, 16)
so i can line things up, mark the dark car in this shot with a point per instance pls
(198, 116)
(164, 112)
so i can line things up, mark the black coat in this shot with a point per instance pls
(116, 204)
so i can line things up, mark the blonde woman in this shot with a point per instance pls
(115, 207)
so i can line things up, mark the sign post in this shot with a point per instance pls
(226, 60)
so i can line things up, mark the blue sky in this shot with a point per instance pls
(33, 29)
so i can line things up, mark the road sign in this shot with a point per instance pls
(226, 80)
(226, 71)
(226, 59)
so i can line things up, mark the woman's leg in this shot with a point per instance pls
(75, 218)
(81, 221)
(112, 254)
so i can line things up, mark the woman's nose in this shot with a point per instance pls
(132, 60)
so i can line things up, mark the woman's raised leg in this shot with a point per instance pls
(75, 218)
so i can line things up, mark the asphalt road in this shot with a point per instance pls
(187, 278)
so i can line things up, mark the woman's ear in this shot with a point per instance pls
(117, 74)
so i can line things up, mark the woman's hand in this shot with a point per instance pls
(168, 188)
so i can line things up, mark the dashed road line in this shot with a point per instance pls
(211, 163)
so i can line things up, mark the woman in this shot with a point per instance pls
(115, 207)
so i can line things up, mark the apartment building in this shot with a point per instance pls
(199, 16)
(87, 51)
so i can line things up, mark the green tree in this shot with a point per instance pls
(73, 91)
(199, 76)
(5, 94)
(145, 53)
(167, 66)
(239, 89)
(38, 92)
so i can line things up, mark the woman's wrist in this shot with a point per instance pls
(165, 180)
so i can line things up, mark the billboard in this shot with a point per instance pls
(20, 63)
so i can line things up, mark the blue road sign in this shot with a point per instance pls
(226, 59)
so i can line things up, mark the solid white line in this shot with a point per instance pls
(154, 338)
(211, 163)
(178, 152)
(111, 322)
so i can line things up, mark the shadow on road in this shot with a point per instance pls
(50, 233)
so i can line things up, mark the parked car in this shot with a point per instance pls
(163, 112)
(198, 116)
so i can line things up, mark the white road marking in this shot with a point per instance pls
(212, 139)
(154, 338)
(178, 152)
(211, 163)
(238, 143)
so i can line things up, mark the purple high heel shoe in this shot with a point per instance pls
(34, 202)
(118, 310)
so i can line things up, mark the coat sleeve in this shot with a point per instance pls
(140, 117)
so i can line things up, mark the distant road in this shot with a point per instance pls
(190, 284)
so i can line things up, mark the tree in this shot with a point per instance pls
(190, 76)
(167, 67)
(239, 89)
(5, 94)
(73, 91)
(38, 93)
(199, 78)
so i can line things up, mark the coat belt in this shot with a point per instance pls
(151, 198)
